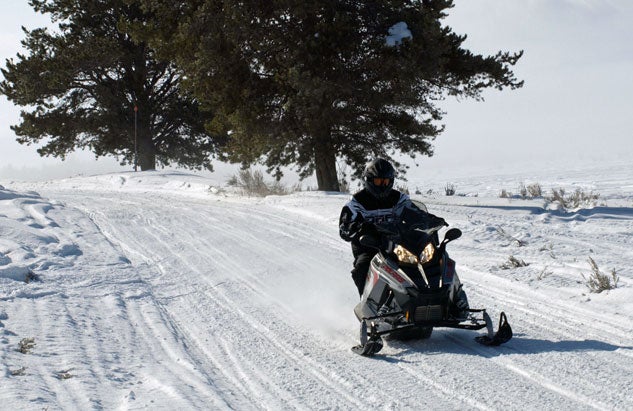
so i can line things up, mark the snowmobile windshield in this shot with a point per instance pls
(414, 229)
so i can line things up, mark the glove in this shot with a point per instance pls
(368, 228)
(359, 228)
(354, 228)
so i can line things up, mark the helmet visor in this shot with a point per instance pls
(381, 182)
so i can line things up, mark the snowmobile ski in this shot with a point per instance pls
(370, 341)
(503, 334)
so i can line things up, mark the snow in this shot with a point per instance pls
(168, 290)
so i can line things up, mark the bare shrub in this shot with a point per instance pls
(513, 262)
(26, 345)
(297, 187)
(403, 188)
(253, 183)
(342, 176)
(535, 190)
(18, 372)
(343, 186)
(216, 190)
(544, 273)
(31, 276)
(449, 190)
(64, 374)
(574, 200)
(598, 281)
(525, 191)
(550, 248)
(510, 237)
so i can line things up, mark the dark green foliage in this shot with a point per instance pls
(79, 86)
(306, 82)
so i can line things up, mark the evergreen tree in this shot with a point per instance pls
(305, 83)
(90, 85)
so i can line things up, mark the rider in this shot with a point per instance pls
(377, 202)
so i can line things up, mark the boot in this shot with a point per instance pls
(462, 304)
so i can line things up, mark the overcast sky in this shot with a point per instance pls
(576, 105)
(577, 102)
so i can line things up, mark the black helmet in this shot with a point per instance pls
(379, 175)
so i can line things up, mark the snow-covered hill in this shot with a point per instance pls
(163, 290)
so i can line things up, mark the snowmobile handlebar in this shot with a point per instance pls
(413, 224)
(394, 234)
(395, 231)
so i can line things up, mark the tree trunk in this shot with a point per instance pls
(325, 166)
(146, 157)
(146, 149)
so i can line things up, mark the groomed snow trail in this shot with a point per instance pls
(192, 302)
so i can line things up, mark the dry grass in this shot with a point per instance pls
(18, 372)
(252, 183)
(577, 199)
(26, 345)
(598, 281)
(525, 192)
(534, 190)
(64, 374)
(509, 237)
(513, 262)
(544, 273)
(403, 188)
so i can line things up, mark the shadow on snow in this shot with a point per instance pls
(607, 213)
(451, 342)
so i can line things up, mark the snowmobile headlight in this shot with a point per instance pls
(427, 253)
(404, 255)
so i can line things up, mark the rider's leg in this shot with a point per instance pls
(361, 267)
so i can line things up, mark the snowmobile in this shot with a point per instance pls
(412, 286)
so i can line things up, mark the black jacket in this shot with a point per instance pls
(364, 210)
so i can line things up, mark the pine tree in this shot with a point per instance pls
(307, 83)
(89, 85)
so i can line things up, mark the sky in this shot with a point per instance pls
(575, 105)
(576, 102)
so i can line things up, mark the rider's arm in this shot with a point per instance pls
(350, 224)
